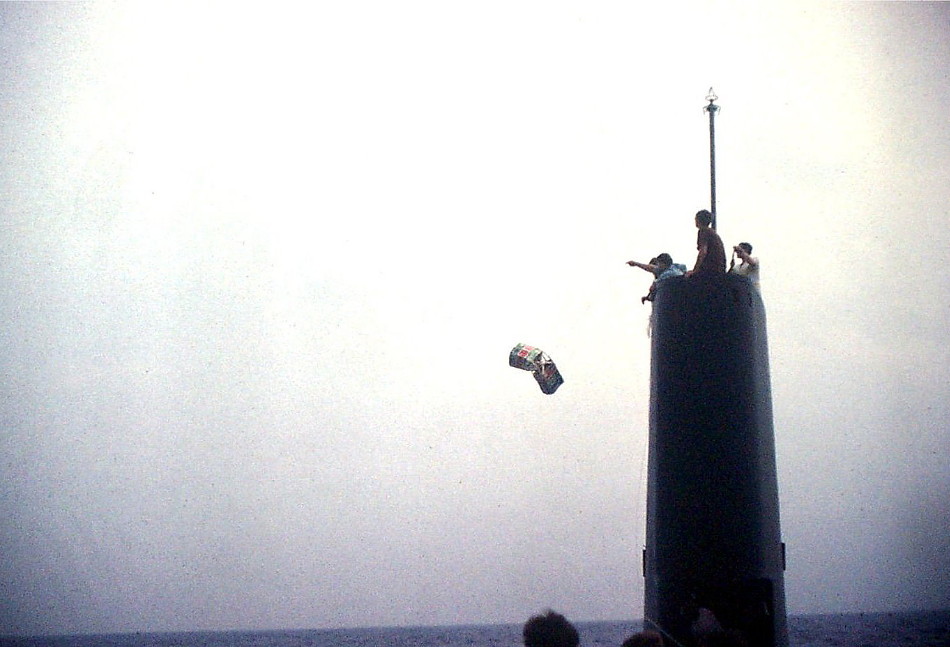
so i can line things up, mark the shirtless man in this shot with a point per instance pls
(711, 255)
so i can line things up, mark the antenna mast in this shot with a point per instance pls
(712, 109)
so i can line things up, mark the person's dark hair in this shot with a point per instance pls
(704, 217)
(663, 259)
(550, 629)
(644, 639)
(746, 246)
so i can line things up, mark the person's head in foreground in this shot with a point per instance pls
(550, 629)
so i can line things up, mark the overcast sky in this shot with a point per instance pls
(262, 267)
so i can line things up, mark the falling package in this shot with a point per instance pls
(533, 359)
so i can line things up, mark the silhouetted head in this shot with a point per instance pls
(644, 639)
(703, 218)
(664, 260)
(745, 246)
(550, 630)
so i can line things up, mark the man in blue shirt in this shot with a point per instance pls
(662, 267)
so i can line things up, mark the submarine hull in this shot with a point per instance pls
(713, 532)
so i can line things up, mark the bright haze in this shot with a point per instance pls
(262, 266)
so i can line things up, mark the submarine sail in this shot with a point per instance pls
(714, 549)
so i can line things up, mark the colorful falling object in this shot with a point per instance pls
(533, 359)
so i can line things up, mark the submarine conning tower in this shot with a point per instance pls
(713, 536)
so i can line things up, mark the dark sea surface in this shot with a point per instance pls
(914, 629)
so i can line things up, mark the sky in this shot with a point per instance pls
(262, 267)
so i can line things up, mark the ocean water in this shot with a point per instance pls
(916, 629)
